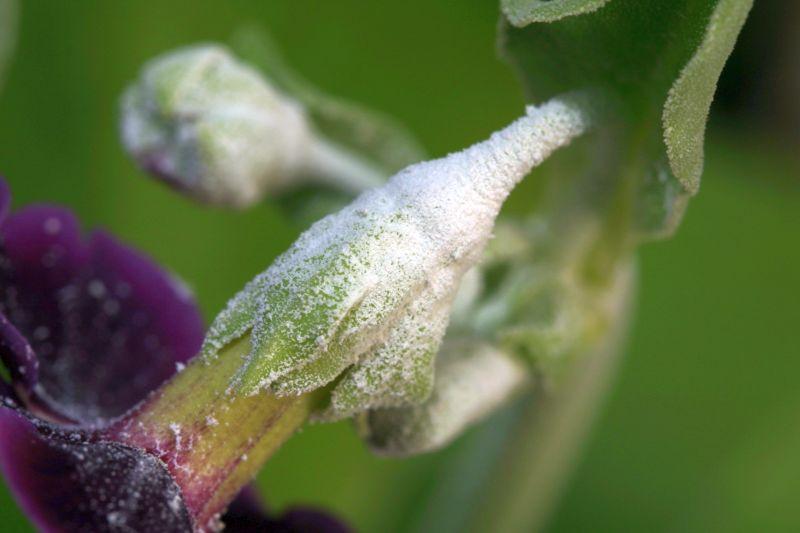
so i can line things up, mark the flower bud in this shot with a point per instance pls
(364, 295)
(215, 129)
(212, 127)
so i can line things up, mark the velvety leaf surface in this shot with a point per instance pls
(523, 12)
(686, 110)
(655, 60)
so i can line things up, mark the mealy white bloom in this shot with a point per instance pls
(472, 380)
(365, 294)
(215, 129)
(535, 328)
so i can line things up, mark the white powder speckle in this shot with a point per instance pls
(96, 289)
(176, 433)
(52, 226)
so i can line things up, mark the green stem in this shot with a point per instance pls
(336, 166)
(213, 442)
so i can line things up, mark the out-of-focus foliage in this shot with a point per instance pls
(8, 28)
(697, 435)
(761, 82)
(368, 133)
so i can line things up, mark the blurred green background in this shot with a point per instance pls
(702, 429)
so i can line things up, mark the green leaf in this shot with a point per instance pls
(378, 137)
(689, 100)
(661, 203)
(657, 60)
(523, 12)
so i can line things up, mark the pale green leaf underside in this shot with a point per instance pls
(689, 100)
(523, 12)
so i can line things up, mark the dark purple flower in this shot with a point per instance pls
(88, 329)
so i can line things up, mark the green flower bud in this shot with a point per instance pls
(215, 129)
(364, 295)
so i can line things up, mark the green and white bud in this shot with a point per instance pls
(365, 294)
(215, 129)
(476, 377)
(473, 379)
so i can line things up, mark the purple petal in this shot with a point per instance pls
(107, 325)
(66, 482)
(41, 248)
(246, 514)
(173, 313)
(17, 355)
(307, 520)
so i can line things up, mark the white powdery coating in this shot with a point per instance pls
(472, 380)
(367, 291)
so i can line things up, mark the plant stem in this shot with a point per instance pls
(213, 442)
(334, 165)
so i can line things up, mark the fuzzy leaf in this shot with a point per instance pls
(523, 12)
(686, 110)
(653, 58)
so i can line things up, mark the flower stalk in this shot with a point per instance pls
(217, 130)
(212, 441)
(340, 168)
